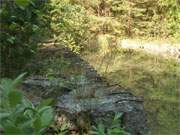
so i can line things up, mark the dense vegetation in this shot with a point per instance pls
(18, 114)
(151, 18)
(86, 26)
(77, 24)
(21, 23)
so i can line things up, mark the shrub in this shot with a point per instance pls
(18, 115)
(114, 129)
(69, 24)
(20, 32)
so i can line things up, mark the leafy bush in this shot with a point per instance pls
(114, 129)
(69, 23)
(171, 9)
(54, 66)
(18, 115)
(21, 22)
(61, 130)
(138, 18)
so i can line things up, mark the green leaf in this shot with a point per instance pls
(118, 116)
(37, 124)
(22, 3)
(46, 115)
(18, 80)
(14, 97)
(11, 40)
(27, 103)
(101, 129)
(4, 115)
(46, 102)
(6, 86)
(115, 131)
(11, 130)
(35, 28)
(64, 127)
(20, 119)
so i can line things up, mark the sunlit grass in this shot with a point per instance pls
(140, 72)
(154, 78)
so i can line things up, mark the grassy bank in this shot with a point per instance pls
(154, 78)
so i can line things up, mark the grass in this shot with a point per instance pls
(154, 78)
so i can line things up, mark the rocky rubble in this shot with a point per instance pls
(92, 96)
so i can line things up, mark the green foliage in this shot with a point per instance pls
(152, 77)
(69, 23)
(21, 22)
(62, 130)
(18, 115)
(114, 129)
(99, 130)
(147, 18)
(74, 23)
(22, 3)
(171, 8)
(52, 67)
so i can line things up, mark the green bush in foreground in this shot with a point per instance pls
(114, 129)
(18, 115)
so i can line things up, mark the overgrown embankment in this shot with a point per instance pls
(155, 78)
